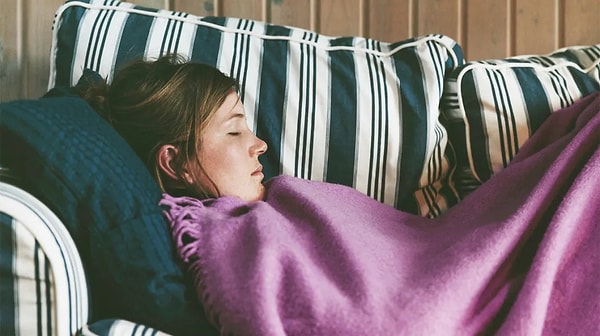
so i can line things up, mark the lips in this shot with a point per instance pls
(258, 171)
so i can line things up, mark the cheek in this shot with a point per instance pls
(218, 160)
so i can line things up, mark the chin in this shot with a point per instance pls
(260, 194)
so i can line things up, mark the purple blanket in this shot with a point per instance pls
(519, 256)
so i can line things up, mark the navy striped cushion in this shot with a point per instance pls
(347, 110)
(492, 107)
(43, 287)
(118, 327)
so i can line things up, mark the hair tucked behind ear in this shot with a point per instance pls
(166, 101)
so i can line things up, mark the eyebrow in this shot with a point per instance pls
(236, 115)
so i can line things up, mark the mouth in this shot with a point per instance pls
(258, 171)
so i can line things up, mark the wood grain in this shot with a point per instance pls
(581, 22)
(292, 13)
(37, 40)
(388, 20)
(11, 51)
(535, 27)
(247, 9)
(438, 17)
(484, 28)
(339, 17)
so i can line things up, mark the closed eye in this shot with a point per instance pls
(234, 133)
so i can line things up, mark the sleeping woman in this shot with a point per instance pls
(186, 121)
(297, 257)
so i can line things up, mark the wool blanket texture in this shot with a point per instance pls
(518, 256)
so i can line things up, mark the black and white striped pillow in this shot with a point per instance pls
(490, 108)
(347, 110)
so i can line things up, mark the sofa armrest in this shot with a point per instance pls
(42, 280)
(118, 327)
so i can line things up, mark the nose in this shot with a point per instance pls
(260, 147)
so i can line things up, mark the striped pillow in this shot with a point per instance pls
(490, 108)
(347, 110)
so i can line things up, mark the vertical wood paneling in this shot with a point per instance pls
(484, 29)
(247, 9)
(339, 17)
(37, 39)
(11, 56)
(581, 22)
(162, 4)
(535, 26)
(438, 17)
(291, 12)
(196, 7)
(388, 20)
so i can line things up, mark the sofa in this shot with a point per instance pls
(85, 247)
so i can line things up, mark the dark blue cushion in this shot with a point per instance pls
(71, 159)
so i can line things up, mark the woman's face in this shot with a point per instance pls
(229, 153)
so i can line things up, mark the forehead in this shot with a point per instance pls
(231, 108)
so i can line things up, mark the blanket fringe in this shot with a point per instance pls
(182, 215)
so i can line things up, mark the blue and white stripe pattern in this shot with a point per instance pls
(347, 110)
(492, 107)
(42, 281)
(118, 327)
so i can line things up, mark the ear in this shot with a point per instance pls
(165, 158)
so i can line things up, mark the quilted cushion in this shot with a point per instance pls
(68, 157)
(491, 107)
(347, 110)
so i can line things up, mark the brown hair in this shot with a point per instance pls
(166, 101)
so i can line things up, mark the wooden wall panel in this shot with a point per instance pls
(339, 17)
(247, 9)
(484, 28)
(37, 40)
(162, 4)
(196, 7)
(438, 17)
(389, 20)
(535, 27)
(581, 22)
(11, 51)
(25, 36)
(293, 13)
